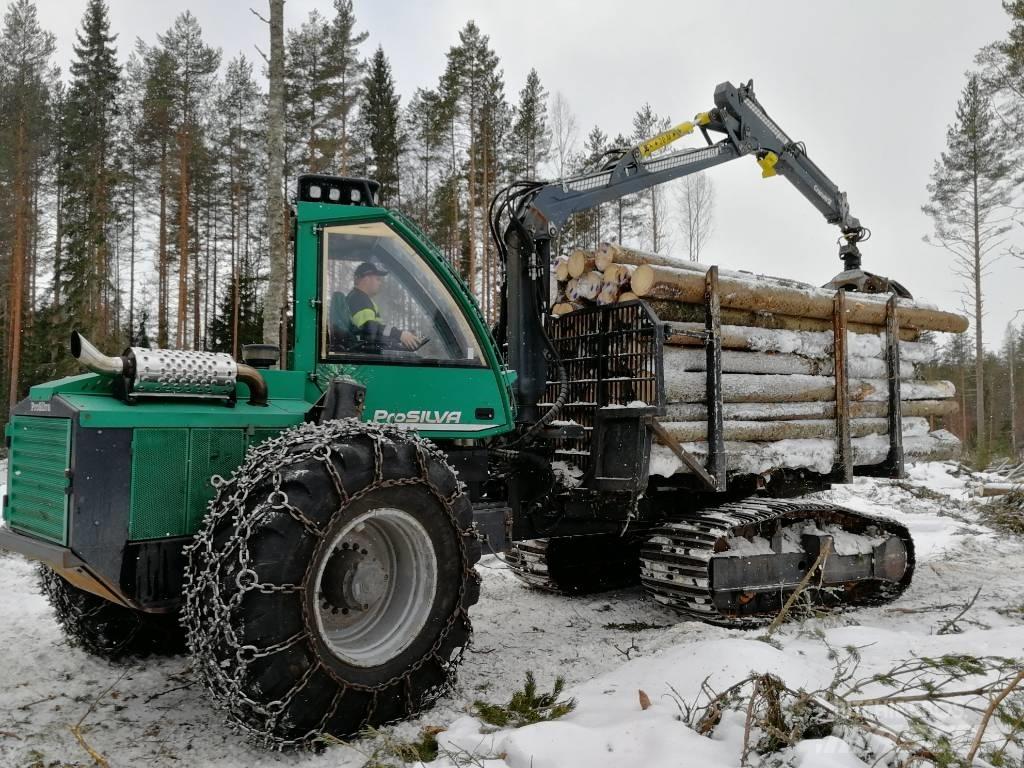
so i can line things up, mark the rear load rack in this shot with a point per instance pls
(613, 360)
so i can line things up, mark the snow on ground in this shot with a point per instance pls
(152, 713)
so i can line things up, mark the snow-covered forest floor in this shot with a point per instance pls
(608, 647)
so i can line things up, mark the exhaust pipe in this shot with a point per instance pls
(84, 352)
(140, 372)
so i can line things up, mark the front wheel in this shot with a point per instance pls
(329, 586)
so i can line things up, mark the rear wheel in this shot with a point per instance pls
(106, 629)
(329, 586)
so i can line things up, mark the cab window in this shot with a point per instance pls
(382, 300)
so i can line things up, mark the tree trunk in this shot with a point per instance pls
(755, 295)
(163, 280)
(825, 409)
(770, 431)
(694, 313)
(741, 361)
(183, 235)
(19, 253)
(273, 308)
(981, 441)
(794, 388)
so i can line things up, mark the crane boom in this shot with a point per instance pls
(537, 211)
(745, 128)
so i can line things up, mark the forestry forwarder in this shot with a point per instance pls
(315, 526)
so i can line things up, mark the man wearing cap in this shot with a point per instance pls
(366, 319)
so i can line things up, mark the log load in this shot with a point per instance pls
(814, 344)
(823, 409)
(818, 455)
(691, 359)
(580, 262)
(777, 362)
(687, 287)
(689, 387)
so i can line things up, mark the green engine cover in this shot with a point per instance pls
(37, 478)
(171, 471)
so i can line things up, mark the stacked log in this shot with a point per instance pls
(778, 368)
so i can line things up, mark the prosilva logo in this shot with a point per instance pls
(431, 418)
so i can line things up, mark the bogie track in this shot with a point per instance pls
(736, 564)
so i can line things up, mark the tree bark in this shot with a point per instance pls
(768, 431)
(794, 388)
(273, 308)
(183, 232)
(19, 253)
(734, 361)
(812, 410)
(687, 286)
(673, 311)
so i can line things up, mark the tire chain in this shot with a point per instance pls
(207, 615)
(691, 543)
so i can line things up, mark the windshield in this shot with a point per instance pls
(382, 299)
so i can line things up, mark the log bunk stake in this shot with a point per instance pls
(844, 449)
(894, 462)
(717, 463)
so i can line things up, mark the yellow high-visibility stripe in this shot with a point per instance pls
(363, 316)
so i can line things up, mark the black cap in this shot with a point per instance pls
(368, 268)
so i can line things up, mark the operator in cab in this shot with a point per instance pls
(366, 319)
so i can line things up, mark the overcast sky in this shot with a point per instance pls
(870, 87)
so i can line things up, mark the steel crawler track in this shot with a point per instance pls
(676, 562)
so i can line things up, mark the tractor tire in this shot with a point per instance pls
(328, 589)
(106, 629)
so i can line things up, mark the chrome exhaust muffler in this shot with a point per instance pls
(171, 373)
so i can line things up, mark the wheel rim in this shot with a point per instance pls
(375, 586)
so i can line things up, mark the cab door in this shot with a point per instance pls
(410, 336)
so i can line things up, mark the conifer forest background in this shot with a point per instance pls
(134, 192)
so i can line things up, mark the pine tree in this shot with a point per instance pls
(345, 61)
(26, 77)
(969, 194)
(380, 127)
(274, 311)
(240, 143)
(239, 318)
(645, 125)
(194, 65)
(91, 174)
(312, 83)
(468, 78)
(425, 126)
(531, 136)
(156, 140)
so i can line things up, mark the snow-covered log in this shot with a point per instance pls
(562, 269)
(680, 285)
(818, 455)
(609, 293)
(689, 387)
(762, 431)
(818, 410)
(613, 253)
(816, 344)
(693, 359)
(619, 274)
(694, 313)
(585, 287)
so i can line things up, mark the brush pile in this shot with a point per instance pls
(778, 362)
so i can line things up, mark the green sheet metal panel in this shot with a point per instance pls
(159, 483)
(211, 452)
(38, 477)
